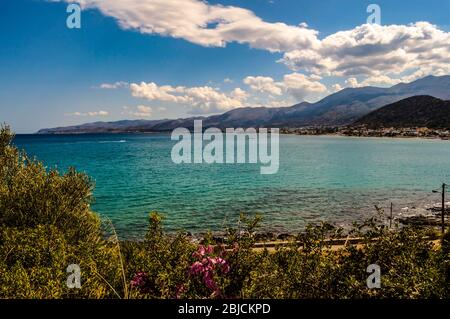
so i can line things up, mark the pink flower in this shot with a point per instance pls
(221, 262)
(209, 249)
(202, 251)
(180, 290)
(196, 268)
(209, 280)
(140, 281)
(218, 260)
(206, 266)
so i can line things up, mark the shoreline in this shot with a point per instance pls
(433, 138)
(372, 136)
(391, 133)
(430, 222)
(364, 131)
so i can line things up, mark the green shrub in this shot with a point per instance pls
(163, 258)
(31, 196)
(46, 225)
(446, 262)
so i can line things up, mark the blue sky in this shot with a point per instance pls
(51, 75)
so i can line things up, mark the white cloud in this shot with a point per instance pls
(380, 81)
(352, 82)
(301, 86)
(140, 111)
(111, 86)
(204, 99)
(264, 84)
(165, 93)
(204, 24)
(144, 111)
(266, 91)
(280, 103)
(335, 88)
(94, 113)
(298, 85)
(370, 50)
(239, 94)
(228, 80)
(376, 80)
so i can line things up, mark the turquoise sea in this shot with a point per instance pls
(338, 179)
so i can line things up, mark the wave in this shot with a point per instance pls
(91, 142)
(119, 141)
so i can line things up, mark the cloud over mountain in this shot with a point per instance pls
(204, 99)
(261, 90)
(373, 50)
(91, 113)
(140, 111)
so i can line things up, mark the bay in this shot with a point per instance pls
(321, 178)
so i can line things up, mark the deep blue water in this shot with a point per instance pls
(338, 179)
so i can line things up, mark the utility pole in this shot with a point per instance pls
(443, 208)
(390, 218)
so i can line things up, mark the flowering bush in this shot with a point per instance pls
(208, 267)
(140, 281)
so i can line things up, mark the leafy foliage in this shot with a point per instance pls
(46, 225)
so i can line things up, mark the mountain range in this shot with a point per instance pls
(340, 108)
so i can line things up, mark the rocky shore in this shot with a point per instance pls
(431, 221)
